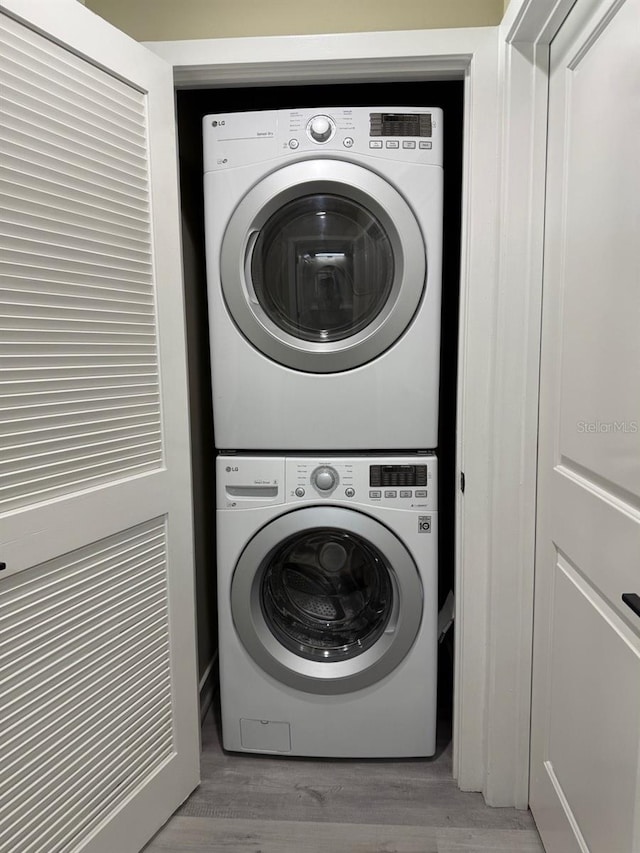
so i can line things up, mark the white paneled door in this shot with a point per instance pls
(585, 785)
(98, 690)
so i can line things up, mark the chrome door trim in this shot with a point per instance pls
(333, 677)
(350, 181)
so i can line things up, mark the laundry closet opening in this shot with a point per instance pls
(192, 105)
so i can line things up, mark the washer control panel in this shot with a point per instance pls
(398, 482)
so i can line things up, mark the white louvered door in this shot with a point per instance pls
(98, 689)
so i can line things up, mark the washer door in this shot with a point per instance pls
(323, 265)
(326, 600)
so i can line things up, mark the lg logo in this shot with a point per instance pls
(229, 469)
(215, 123)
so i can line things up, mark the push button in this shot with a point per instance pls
(405, 494)
(409, 143)
(391, 493)
(375, 143)
(421, 493)
(349, 492)
(293, 144)
(393, 143)
(348, 142)
(375, 494)
(425, 145)
(300, 492)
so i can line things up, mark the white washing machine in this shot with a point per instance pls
(327, 597)
(324, 243)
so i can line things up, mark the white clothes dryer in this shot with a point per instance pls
(324, 243)
(327, 597)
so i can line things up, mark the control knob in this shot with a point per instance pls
(325, 478)
(320, 128)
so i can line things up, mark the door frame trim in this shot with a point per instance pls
(525, 34)
(470, 55)
(504, 70)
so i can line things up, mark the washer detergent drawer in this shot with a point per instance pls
(265, 735)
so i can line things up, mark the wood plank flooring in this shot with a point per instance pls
(260, 804)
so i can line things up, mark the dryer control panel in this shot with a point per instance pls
(406, 134)
(399, 482)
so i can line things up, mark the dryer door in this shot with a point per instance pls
(326, 600)
(323, 265)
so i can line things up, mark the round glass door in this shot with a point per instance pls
(326, 594)
(322, 268)
(322, 265)
(326, 599)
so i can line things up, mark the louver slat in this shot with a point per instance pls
(75, 209)
(36, 132)
(55, 74)
(58, 72)
(18, 183)
(81, 75)
(19, 90)
(79, 376)
(77, 170)
(49, 234)
(33, 228)
(27, 212)
(85, 662)
(73, 298)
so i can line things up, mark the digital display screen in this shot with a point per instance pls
(397, 475)
(400, 124)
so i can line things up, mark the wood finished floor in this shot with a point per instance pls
(260, 804)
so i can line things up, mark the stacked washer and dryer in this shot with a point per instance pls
(324, 234)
